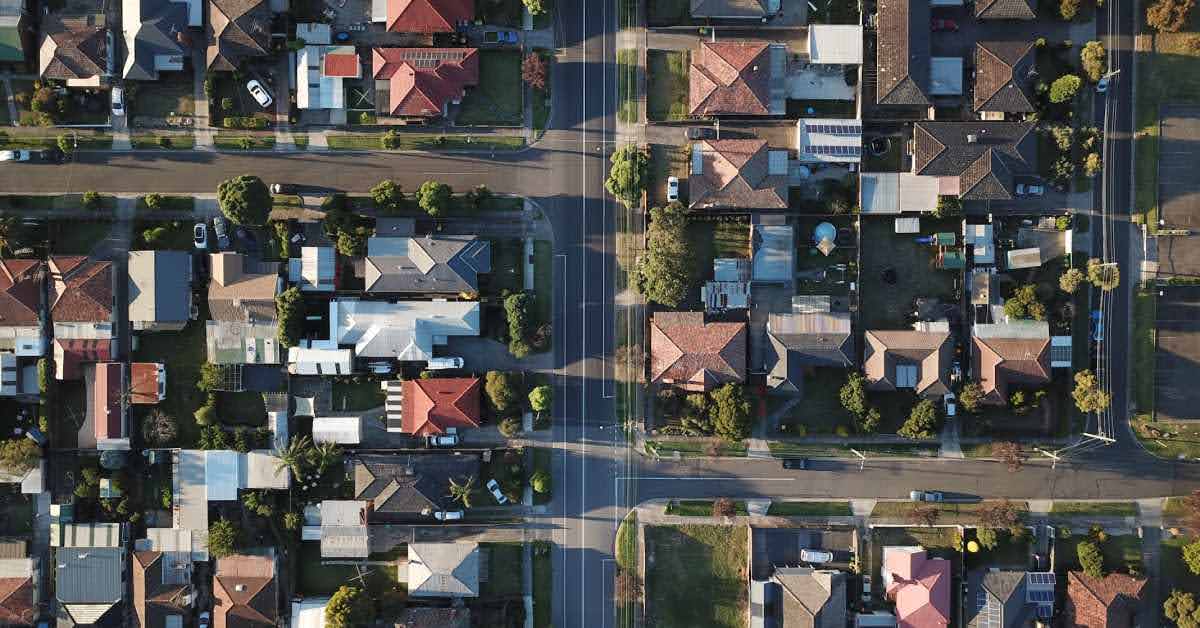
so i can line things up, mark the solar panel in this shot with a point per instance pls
(1040, 595)
(1044, 612)
(835, 129)
(1040, 577)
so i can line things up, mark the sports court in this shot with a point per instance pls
(1177, 355)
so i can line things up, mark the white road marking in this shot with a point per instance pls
(626, 478)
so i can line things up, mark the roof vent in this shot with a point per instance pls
(239, 587)
(972, 138)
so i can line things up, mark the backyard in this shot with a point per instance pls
(1119, 552)
(183, 353)
(496, 101)
(504, 571)
(696, 576)
(666, 85)
(356, 394)
(317, 578)
(896, 270)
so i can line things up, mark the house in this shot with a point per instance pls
(75, 50)
(226, 472)
(434, 406)
(21, 304)
(434, 617)
(406, 331)
(736, 78)
(160, 290)
(14, 22)
(236, 30)
(406, 487)
(89, 585)
(799, 597)
(342, 529)
(156, 36)
(738, 173)
(245, 594)
(800, 341)
(820, 140)
(758, 10)
(320, 73)
(342, 430)
(975, 160)
(19, 582)
(422, 82)
(423, 16)
(1002, 77)
(919, 586)
(230, 342)
(902, 63)
(918, 359)
(71, 354)
(896, 192)
(426, 265)
(693, 354)
(80, 290)
(999, 598)
(772, 248)
(1108, 602)
(240, 291)
(730, 287)
(1007, 354)
(309, 612)
(148, 382)
(443, 570)
(315, 270)
(1006, 10)
(162, 588)
(109, 423)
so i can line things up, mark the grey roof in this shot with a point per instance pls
(902, 60)
(153, 29)
(1002, 76)
(158, 286)
(730, 8)
(443, 569)
(12, 8)
(984, 155)
(88, 575)
(1005, 10)
(1003, 594)
(443, 264)
(812, 598)
(402, 486)
(799, 341)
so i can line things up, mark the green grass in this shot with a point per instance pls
(785, 449)
(241, 408)
(691, 449)
(149, 141)
(169, 203)
(78, 237)
(697, 576)
(699, 508)
(810, 509)
(170, 95)
(240, 141)
(627, 545)
(504, 571)
(1094, 509)
(496, 101)
(176, 235)
(821, 410)
(1173, 569)
(889, 161)
(183, 353)
(87, 141)
(318, 579)
(543, 584)
(429, 142)
(18, 202)
(666, 85)
(543, 279)
(1010, 551)
(835, 13)
(1167, 439)
(507, 254)
(349, 395)
(711, 240)
(17, 511)
(950, 513)
(1118, 552)
(1144, 313)
(627, 63)
(887, 306)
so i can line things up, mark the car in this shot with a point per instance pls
(440, 364)
(282, 188)
(259, 93)
(1102, 85)
(448, 515)
(15, 155)
(118, 101)
(795, 463)
(672, 189)
(816, 556)
(221, 229)
(442, 440)
(200, 236)
(926, 496)
(493, 487)
(205, 619)
(949, 400)
(500, 37)
(943, 24)
(1030, 189)
(380, 367)
(699, 133)
(866, 589)
(1097, 326)
(51, 155)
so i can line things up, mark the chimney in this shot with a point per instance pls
(972, 138)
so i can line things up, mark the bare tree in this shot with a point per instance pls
(724, 507)
(629, 586)
(924, 514)
(1010, 454)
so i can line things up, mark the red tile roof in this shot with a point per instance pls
(81, 291)
(1108, 602)
(920, 588)
(428, 16)
(106, 401)
(20, 291)
(343, 64)
(999, 362)
(730, 77)
(432, 405)
(69, 354)
(422, 80)
(144, 387)
(696, 355)
(16, 602)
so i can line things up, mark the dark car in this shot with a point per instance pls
(795, 463)
(943, 24)
(699, 133)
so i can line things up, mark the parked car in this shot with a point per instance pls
(1102, 85)
(816, 556)
(493, 487)
(15, 155)
(442, 440)
(438, 364)
(379, 368)
(949, 400)
(282, 188)
(1030, 189)
(259, 93)
(500, 37)
(926, 496)
(1097, 320)
(672, 189)
(943, 24)
(221, 229)
(50, 155)
(200, 236)
(118, 101)
(448, 515)
(866, 589)
(795, 463)
(205, 619)
(699, 133)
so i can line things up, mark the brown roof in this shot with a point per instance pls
(1108, 602)
(73, 49)
(20, 291)
(430, 406)
(236, 295)
(106, 401)
(1005, 10)
(1002, 76)
(81, 291)
(70, 353)
(428, 617)
(982, 155)
(929, 351)
(694, 354)
(730, 77)
(143, 389)
(16, 601)
(153, 599)
(244, 592)
(902, 62)
(428, 16)
(735, 173)
(237, 29)
(999, 362)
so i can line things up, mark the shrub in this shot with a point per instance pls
(1068, 9)
(390, 140)
(922, 421)
(1092, 57)
(159, 428)
(1064, 88)
(970, 396)
(1181, 608)
(533, 71)
(205, 415)
(730, 412)
(227, 104)
(869, 422)
(948, 206)
(1104, 276)
(1062, 170)
(349, 607)
(1070, 280)
(1024, 304)
(1063, 137)
(1191, 556)
(18, 455)
(90, 200)
(510, 427)
(853, 394)
(1092, 165)
(1090, 559)
(540, 481)
(222, 538)
(541, 398)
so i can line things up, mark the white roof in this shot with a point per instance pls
(896, 192)
(322, 359)
(190, 494)
(908, 225)
(840, 44)
(177, 540)
(221, 475)
(313, 89)
(443, 570)
(309, 612)
(945, 76)
(313, 271)
(277, 421)
(85, 535)
(343, 430)
(343, 512)
(773, 246)
(1025, 258)
(407, 330)
(829, 140)
(262, 470)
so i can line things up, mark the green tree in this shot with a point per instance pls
(989, 538)
(353, 243)
(500, 390)
(1070, 280)
(65, 144)
(535, 7)
(541, 398)
(210, 377)
(540, 481)
(516, 311)
(947, 206)
(1181, 608)
(1092, 165)
(349, 607)
(90, 200)
(289, 310)
(869, 422)
(1092, 57)
(853, 394)
(159, 428)
(1169, 16)
(324, 455)
(1024, 304)
(1087, 394)
(463, 492)
(154, 200)
(970, 396)
(510, 427)
(223, 538)
(922, 421)
(1064, 88)
(245, 200)
(627, 176)
(205, 415)
(665, 271)
(434, 198)
(1090, 558)
(388, 195)
(292, 520)
(1063, 136)
(1104, 276)
(730, 412)
(1068, 9)
(295, 456)
(1191, 556)
(18, 455)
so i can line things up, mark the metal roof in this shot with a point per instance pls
(838, 44)
(773, 248)
(221, 475)
(343, 430)
(896, 192)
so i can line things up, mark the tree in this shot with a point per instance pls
(222, 538)
(970, 396)
(1092, 57)
(516, 312)
(510, 427)
(1024, 304)
(1191, 556)
(1104, 276)
(1010, 454)
(1169, 16)
(1181, 608)
(1087, 394)
(854, 394)
(1001, 515)
(1068, 9)
(90, 200)
(723, 507)
(1063, 137)
(535, 7)
(65, 144)
(922, 421)
(292, 521)
(388, 195)
(1092, 164)
(289, 310)
(154, 200)
(434, 198)
(159, 428)
(947, 206)
(924, 514)
(479, 196)
(665, 271)
(869, 422)
(540, 481)
(210, 378)
(989, 538)
(18, 455)
(205, 415)
(349, 607)
(462, 491)
(1062, 169)
(627, 176)
(324, 455)
(245, 200)
(1064, 88)
(533, 71)
(500, 390)
(353, 242)
(730, 412)
(258, 503)
(541, 398)
(1070, 280)
(294, 456)
(1090, 558)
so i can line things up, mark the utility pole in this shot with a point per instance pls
(1054, 457)
(862, 460)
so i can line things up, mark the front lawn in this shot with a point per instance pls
(1173, 569)
(896, 271)
(627, 64)
(949, 513)
(77, 237)
(810, 509)
(700, 508)
(1144, 330)
(242, 141)
(496, 101)
(695, 449)
(696, 576)
(820, 411)
(424, 141)
(1094, 509)
(543, 583)
(353, 395)
(1118, 551)
(666, 85)
(169, 96)
(504, 570)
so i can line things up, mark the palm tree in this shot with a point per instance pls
(324, 455)
(294, 456)
(462, 492)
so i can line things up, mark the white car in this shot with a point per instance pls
(442, 440)
(448, 515)
(672, 189)
(118, 101)
(1102, 85)
(1030, 189)
(494, 488)
(438, 364)
(259, 93)
(816, 556)
(926, 496)
(949, 400)
(205, 618)
(14, 155)
(200, 236)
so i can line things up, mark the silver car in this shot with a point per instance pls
(493, 487)
(259, 93)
